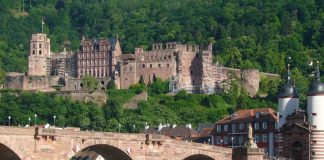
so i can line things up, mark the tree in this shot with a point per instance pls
(90, 83)
(111, 85)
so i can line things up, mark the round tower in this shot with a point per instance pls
(315, 111)
(288, 100)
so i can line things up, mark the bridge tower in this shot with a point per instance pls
(39, 59)
(315, 111)
(288, 100)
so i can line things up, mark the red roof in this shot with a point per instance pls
(249, 115)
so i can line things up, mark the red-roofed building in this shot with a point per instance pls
(232, 131)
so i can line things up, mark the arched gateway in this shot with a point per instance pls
(104, 150)
(7, 154)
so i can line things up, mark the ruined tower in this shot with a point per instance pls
(39, 59)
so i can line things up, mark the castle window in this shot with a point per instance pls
(164, 57)
(102, 73)
(169, 56)
(40, 52)
(34, 46)
(159, 65)
(314, 114)
(168, 65)
(130, 68)
(40, 45)
(150, 65)
(143, 65)
(33, 52)
(191, 72)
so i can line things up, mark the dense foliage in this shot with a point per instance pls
(179, 109)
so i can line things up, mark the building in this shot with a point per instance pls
(302, 133)
(186, 66)
(232, 130)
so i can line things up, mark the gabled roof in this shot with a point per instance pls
(295, 126)
(249, 115)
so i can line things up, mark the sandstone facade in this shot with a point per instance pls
(186, 66)
(59, 144)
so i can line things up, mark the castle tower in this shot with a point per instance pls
(39, 59)
(315, 111)
(288, 100)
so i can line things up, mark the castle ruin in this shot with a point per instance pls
(186, 66)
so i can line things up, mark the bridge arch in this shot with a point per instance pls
(104, 150)
(7, 153)
(199, 157)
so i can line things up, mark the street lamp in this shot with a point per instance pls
(35, 119)
(29, 121)
(9, 117)
(221, 142)
(145, 127)
(208, 140)
(54, 117)
(134, 128)
(232, 141)
(119, 127)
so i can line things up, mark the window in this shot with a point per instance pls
(226, 140)
(159, 65)
(314, 114)
(265, 138)
(257, 115)
(225, 127)
(40, 45)
(150, 65)
(34, 46)
(219, 128)
(143, 65)
(242, 126)
(256, 125)
(191, 72)
(264, 125)
(256, 138)
(168, 65)
(130, 68)
(241, 140)
(276, 137)
(33, 52)
(218, 140)
(233, 128)
(276, 125)
(40, 52)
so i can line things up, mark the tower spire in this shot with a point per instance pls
(288, 70)
(317, 72)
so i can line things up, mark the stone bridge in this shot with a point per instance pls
(63, 144)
